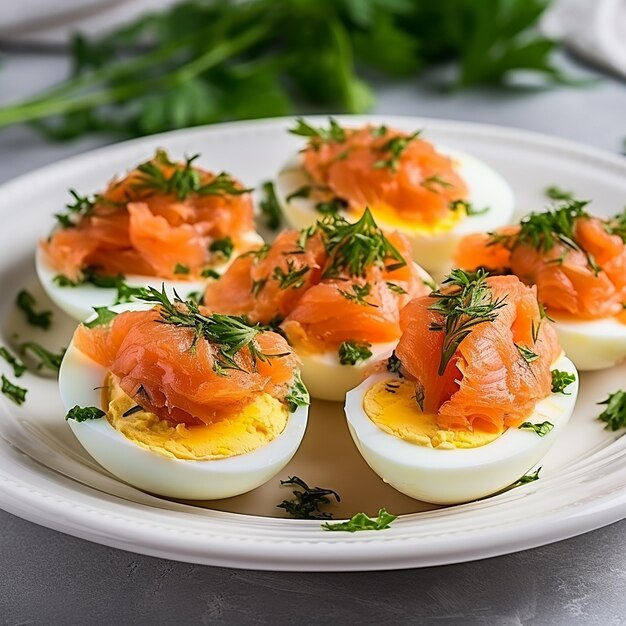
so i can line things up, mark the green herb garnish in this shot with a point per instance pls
(270, 207)
(301, 192)
(224, 246)
(47, 359)
(468, 207)
(360, 521)
(292, 278)
(209, 272)
(298, 395)
(617, 225)
(524, 480)
(561, 380)
(181, 268)
(26, 302)
(331, 207)
(436, 183)
(397, 289)
(351, 352)
(465, 302)
(615, 413)
(307, 500)
(394, 149)
(84, 413)
(526, 353)
(556, 193)
(540, 429)
(358, 295)
(394, 364)
(18, 367)
(13, 392)
(318, 134)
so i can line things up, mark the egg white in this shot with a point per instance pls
(592, 344)
(433, 251)
(80, 380)
(460, 475)
(78, 302)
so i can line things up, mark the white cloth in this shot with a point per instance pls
(595, 30)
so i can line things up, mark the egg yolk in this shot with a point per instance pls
(391, 405)
(257, 424)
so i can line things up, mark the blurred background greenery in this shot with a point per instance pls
(205, 61)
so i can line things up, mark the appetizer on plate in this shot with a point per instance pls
(476, 393)
(578, 263)
(181, 402)
(433, 197)
(334, 289)
(164, 221)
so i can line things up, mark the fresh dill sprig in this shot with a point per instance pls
(351, 352)
(361, 521)
(270, 207)
(397, 289)
(185, 180)
(26, 302)
(79, 207)
(18, 367)
(318, 135)
(540, 429)
(465, 302)
(617, 225)
(526, 353)
(229, 333)
(358, 295)
(292, 278)
(354, 247)
(84, 413)
(615, 413)
(561, 380)
(13, 392)
(47, 359)
(306, 501)
(224, 246)
(394, 149)
(436, 183)
(209, 272)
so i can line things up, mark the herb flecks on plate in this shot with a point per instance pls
(561, 381)
(46, 359)
(26, 303)
(18, 367)
(361, 521)
(84, 413)
(307, 501)
(614, 416)
(14, 392)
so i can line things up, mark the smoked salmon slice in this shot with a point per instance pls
(576, 260)
(486, 368)
(381, 168)
(165, 219)
(186, 377)
(331, 283)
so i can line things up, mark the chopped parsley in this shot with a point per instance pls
(306, 501)
(224, 246)
(84, 413)
(181, 268)
(26, 302)
(47, 359)
(13, 392)
(615, 413)
(561, 380)
(104, 316)
(18, 367)
(125, 292)
(361, 521)
(351, 352)
(468, 207)
(209, 272)
(540, 429)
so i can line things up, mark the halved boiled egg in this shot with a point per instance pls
(487, 203)
(185, 460)
(406, 449)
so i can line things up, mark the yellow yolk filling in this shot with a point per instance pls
(391, 405)
(390, 219)
(256, 425)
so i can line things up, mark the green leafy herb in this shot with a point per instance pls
(540, 429)
(258, 286)
(84, 413)
(18, 367)
(13, 392)
(524, 480)
(615, 413)
(301, 192)
(353, 248)
(209, 272)
(48, 360)
(561, 380)
(465, 302)
(298, 395)
(351, 352)
(360, 521)
(125, 292)
(396, 289)
(393, 149)
(318, 134)
(526, 353)
(224, 246)
(293, 278)
(331, 207)
(181, 268)
(358, 295)
(307, 500)
(436, 183)
(81, 206)
(556, 193)
(468, 207)
(229, 333)
(617, 225)
(270, 207)
(394, 364)
(26, 303)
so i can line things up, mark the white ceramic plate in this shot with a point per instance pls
(46, 477)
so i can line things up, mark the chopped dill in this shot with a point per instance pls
(394, 148)
(358, 295)
(292, 278)
(351, 352)
(306, 501)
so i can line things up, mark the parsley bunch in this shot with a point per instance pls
(208, 60)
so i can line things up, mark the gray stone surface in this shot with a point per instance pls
(50, 578)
